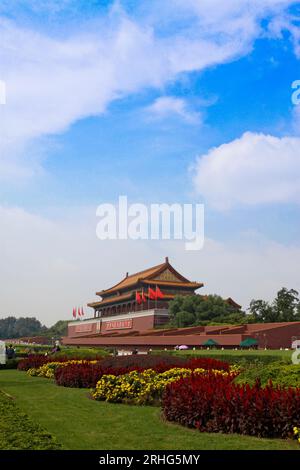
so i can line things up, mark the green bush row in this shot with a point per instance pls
(19, 432)
(82, 352)
(234, 358)
(287, 375)
(10, 364)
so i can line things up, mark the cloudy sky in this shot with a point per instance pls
(174, 101)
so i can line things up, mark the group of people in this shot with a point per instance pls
(10, 352)
(56, 348)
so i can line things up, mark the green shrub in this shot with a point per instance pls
(82, 353)
(241, 359)
(287, 375)
(10, 364)
(18, 432)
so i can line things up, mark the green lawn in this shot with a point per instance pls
(236, 356)
(81, 423)
(231, 352)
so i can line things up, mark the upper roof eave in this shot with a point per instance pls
(146, 274)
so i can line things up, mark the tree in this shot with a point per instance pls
(284, 308)
(184, 318)
(12, 327)
(58, 329)
(262, 311)
(286, 304)
(193, 310)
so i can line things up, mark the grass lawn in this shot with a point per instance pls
(240, 352)
(81, 423)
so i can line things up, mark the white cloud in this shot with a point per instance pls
(287, 23)
(254, 169)
(167, 106)
(53, 82)
(48, 266)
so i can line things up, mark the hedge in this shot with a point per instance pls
(286, 375)
(10, 364)
(19, 432)
(233, 358)
(147, 361)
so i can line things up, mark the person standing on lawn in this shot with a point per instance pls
(10, 352)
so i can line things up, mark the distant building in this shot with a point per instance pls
(129, 314)
(136, 293)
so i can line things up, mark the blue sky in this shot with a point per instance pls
(188, 102)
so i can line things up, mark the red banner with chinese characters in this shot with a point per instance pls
(118, 324)
(84, 328)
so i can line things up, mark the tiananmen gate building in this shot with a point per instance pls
(128, 315)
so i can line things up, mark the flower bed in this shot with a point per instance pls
(47, 370)
(296, 432)
(35, 361)
(213, 403)
(86, 375)
(144, 387)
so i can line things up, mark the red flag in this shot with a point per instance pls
(74, 312)
(78, 311)
(159, 294)
(151, 294)
(144, 299)
(138, 298)
(82, 312)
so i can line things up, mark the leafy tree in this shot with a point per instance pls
(192, 310)
(12, 327)
(286, 305)
(184, 318)
(261, 311)
(284, 308)
(58, 329)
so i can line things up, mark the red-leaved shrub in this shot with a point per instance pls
(35, 361)
(207, 363)
(154, 361)
(213, 403)
(85, 375)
